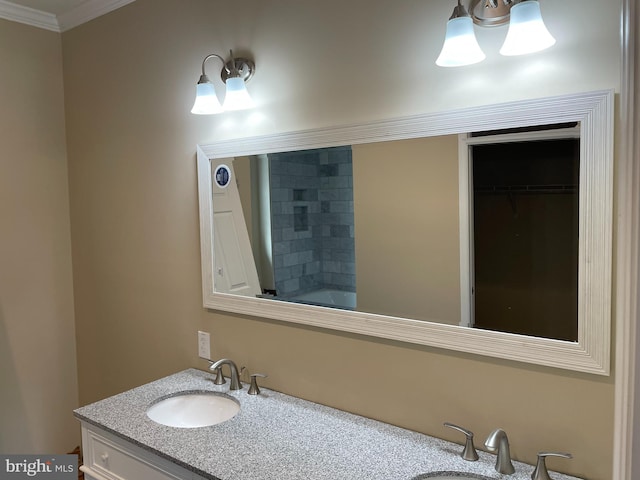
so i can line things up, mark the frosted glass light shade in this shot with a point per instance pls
(527, 32)
(460, 44)
(207, 102)
(237, 96)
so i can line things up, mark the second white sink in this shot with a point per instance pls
(450, 476)
(193, 410)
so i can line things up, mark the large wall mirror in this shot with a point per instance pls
(485, 230)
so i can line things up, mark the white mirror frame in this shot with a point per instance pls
(591, 353)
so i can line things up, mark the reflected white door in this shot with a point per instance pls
(234, 266)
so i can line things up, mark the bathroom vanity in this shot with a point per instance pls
(273, 437)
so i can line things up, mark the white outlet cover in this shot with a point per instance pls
(204, 345)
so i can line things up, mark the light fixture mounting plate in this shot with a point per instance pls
(485, 14)
(245, 67)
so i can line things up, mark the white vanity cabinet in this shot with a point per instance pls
(107, 457)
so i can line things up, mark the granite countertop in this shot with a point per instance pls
(276, 436)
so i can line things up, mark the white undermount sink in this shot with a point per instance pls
(450, 476)
(193, 409)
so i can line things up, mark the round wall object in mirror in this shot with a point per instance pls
(222, 176)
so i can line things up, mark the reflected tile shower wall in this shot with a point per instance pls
(312, 220)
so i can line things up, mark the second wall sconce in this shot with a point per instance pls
(527, 31)
(235, 73)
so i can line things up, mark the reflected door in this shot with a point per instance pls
(234, 267)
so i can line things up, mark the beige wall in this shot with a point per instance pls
(405, 197)
(129, 85)
(37, 338)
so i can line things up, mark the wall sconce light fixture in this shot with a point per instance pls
(235, 73)
(527, 31)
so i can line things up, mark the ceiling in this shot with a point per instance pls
(57, 15)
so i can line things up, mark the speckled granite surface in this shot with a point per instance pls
(278, 437)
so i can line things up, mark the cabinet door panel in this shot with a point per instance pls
(114, 459)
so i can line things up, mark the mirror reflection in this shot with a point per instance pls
(472, 230)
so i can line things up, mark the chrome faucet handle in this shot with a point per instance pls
(469, 453)
(253, 388)
(219, 380)
(235, 376)
(540, 472)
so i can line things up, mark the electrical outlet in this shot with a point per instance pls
(204, 345)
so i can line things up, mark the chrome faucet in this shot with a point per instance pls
(235, 375)
(498, 441)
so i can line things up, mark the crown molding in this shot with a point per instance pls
(88, 11)
(29, 16)
(83, 13)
